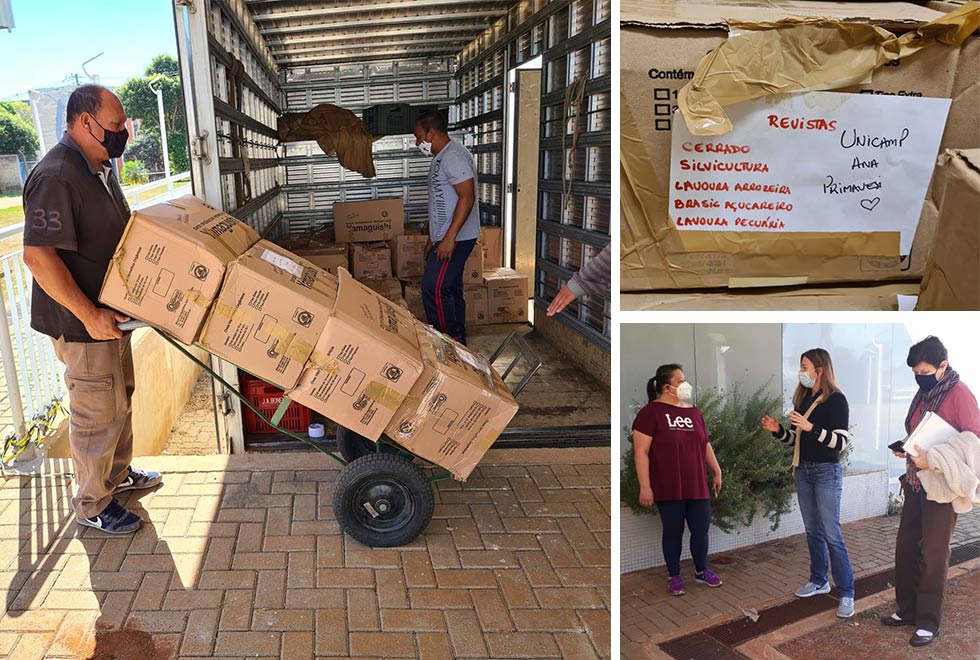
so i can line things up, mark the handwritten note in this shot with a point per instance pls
(813, 162)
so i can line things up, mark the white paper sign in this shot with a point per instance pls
(282, 262)
(812, 162)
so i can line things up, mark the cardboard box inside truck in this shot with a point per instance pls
(408, 255)
(365, 222)
(492, 239)
(269, 313)
(506, 296)
(364, 363)
(473, 269)
(477, 309)
(370, 260)
(457, 408)
(662, 44)
(327, 257)
(388, 287)
(170, 262)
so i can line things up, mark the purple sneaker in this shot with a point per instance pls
(675, 585)
(708, 578)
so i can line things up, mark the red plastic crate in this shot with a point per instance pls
(267, 398)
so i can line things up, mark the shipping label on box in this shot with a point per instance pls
(327, 257)
(170, 262)
(365, 361)
(370, 260)
(457, 409)
(477, 309)
(408, 255)
(369, 221)
(270, 311)
(473, 269)
(493, 247)
(507, 296)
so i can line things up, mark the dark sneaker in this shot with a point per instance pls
(675, 586)
(114, 519)
(139, 480)
(708, 578)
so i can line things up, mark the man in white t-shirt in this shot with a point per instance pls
(454, 224)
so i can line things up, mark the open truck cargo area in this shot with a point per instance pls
(269, 85)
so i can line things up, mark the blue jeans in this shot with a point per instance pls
(818, 487)
(673, 514)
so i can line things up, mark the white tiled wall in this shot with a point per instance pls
(865, 496)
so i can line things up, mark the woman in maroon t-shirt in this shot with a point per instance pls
(670, 442)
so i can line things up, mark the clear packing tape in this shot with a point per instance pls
(803, 54)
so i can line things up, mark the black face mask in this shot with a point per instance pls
(113, 141)
(927, 381)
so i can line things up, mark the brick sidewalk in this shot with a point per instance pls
(754, 578)
(242, 558)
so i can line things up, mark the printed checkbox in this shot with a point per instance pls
(661, 109)
(662, 124)
(661, 94)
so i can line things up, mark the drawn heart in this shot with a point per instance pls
(870, 204)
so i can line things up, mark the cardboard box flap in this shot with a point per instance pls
(803, 55)
(674, 14)
(215, 231)
(449, 356)
(270, 261)
(382, 318)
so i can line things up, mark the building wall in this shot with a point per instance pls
(10, 175)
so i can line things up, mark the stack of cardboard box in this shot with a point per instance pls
(330, 342)
(493, 294)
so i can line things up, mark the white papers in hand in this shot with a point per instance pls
(932, 430)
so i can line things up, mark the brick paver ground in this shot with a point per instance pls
(193, 433)
(754, 578)
(242, 557)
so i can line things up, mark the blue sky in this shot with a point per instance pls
(53, 37)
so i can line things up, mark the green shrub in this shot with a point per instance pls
(134, 172)
(756, 470)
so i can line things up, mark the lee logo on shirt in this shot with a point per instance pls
(679, 423)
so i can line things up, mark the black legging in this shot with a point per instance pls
(673, 513)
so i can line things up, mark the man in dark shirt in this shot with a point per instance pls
(74, 215)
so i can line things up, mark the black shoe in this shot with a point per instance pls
(919, 640)
(890, 620)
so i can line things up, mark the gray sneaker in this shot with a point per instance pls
(845, 609)
(810, 589)
(139, 480)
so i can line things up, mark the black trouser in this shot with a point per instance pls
(673, 513)
(922, 558)
(442, 291)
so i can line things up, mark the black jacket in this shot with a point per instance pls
(829, 436)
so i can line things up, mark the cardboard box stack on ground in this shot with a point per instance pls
(370, 260)
(169, 265)
(662, 44)
(493, 247)
(473, 269)
(408, 255)
(457, 408)
(327, 257)
(389, 288)
(506, 296)
(369, 221)
(477, 309)
(364, 363)
(269, 313)
(412, 292)
(952, 279)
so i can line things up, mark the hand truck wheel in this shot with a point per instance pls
(383, 500)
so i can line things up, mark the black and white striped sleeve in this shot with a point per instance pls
(784, 436)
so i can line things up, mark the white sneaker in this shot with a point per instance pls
(845, 609)
(811, 589)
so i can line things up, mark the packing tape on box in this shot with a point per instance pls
(421, 408)
(803, 54)
(385, 396)
(289, 345)
(194, 296)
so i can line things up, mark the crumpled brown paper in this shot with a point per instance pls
(803, 54)
(337, 131)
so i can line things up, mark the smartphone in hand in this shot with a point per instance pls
(898, 446)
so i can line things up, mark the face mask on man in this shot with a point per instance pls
(684, 391)
(426, 148)
(927, 381)
(113, 141)
(806, 380)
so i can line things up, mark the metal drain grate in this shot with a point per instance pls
(741, 630)
(699, 646)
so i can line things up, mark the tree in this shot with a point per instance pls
(20, 108)
(134, 173)
(16, 135)
(146, 149)
(140, 102)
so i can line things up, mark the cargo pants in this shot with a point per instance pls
(100, 381)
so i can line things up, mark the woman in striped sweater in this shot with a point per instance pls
(818, 435)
